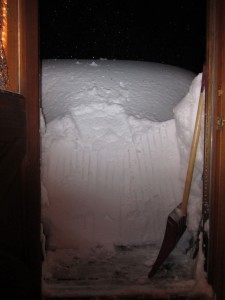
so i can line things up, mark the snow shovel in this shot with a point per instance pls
(176, 222)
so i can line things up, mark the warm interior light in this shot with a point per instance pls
(4, 24)
(3, 44)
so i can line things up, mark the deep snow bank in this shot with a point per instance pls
(114, 154)
(145, 90)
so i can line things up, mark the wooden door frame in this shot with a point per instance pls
(20, 255)
(29, 89)
(214, 186)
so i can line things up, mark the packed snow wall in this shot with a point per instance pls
(116, 137)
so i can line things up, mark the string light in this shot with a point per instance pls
(4, 23)
(3, 43)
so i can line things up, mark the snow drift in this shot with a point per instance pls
(115, 144)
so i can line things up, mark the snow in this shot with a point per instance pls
(185, 115)
(143, 89)
(116, 137)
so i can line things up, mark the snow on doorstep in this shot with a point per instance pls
(114, 153)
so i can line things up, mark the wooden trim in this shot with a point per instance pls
(29, 88)
(12, 51)
(210, 56)
(216, 108)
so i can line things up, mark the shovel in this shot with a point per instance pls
(176, 222)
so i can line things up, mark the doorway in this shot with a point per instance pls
(114, 50)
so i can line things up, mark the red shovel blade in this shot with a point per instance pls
(175, 227)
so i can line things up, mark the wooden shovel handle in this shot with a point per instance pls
(194, 147)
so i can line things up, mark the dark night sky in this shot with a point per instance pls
(172, 32)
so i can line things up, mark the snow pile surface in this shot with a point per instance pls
(110, 170)
(115, 147)
(145, 90)
(185, 114)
